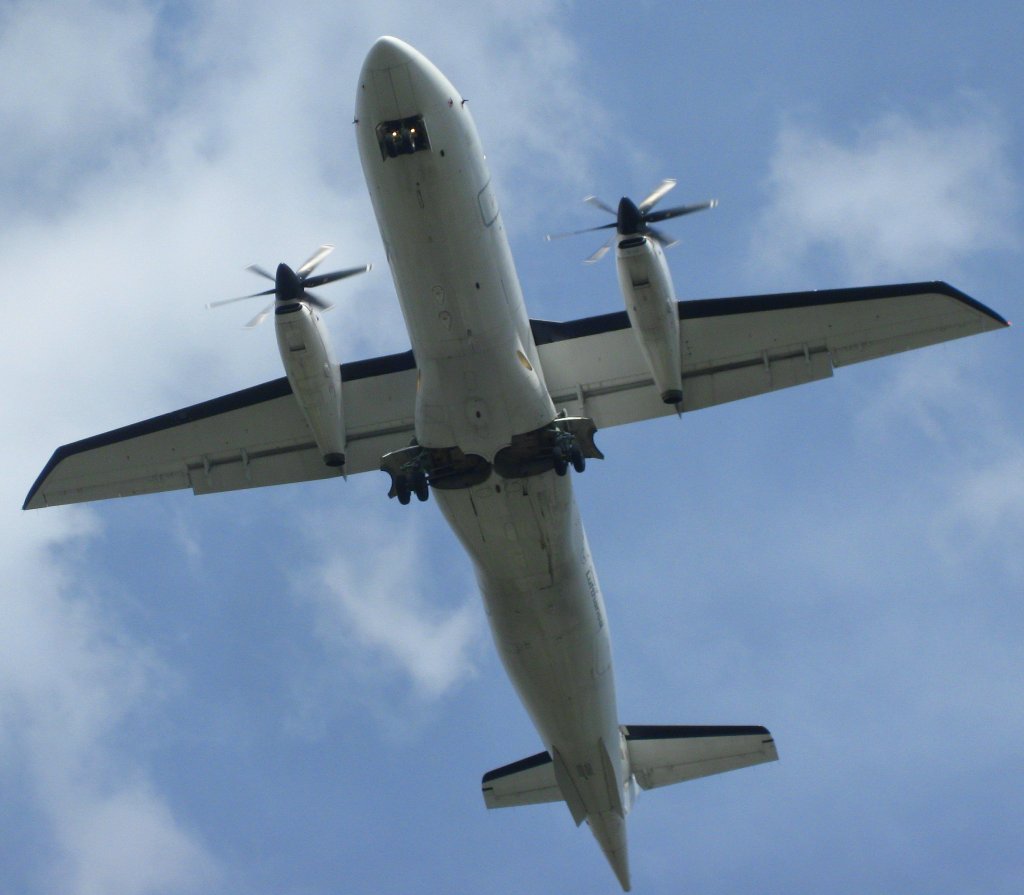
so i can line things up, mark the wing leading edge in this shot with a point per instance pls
(738, 347)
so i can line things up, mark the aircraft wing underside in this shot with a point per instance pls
(247, 439)
(731, 348)
(735, 348)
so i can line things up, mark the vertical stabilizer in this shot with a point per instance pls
(609, 829)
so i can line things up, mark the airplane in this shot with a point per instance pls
(490, 409)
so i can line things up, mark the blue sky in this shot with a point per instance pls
(294, 690)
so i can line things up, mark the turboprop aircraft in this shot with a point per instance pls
(489, 409)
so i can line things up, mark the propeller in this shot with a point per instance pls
(632, 219)
(292, 285)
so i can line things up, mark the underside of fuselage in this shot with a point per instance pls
(486, 430)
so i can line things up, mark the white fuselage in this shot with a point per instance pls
(480, 385)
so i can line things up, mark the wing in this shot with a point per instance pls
(738, 347)
(246, 439)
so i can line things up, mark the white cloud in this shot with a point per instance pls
(912, 197)
(70, 675)
(372, 612)
(76, 76)
(991, 498)
(151, 154)
(975, 437)
(127, 842)
(905, 197)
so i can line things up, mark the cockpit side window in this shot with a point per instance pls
(402, 137)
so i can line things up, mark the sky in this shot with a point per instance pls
(293, 690)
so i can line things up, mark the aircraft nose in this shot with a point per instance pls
(398, 81)
(388, 52)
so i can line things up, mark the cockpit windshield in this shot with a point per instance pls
(402, 137)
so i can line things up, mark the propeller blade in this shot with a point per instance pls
(314, 260)
(552, 236)
(636, 219)
(654, 197)
(666, 241)
(255, 268)
(317, 301)
(597, 203)
(228, 301)
(260, 317)
(325, 278)
(678, 211)
(600, 253)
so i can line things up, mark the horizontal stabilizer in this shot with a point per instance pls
(659, 756)
(526, 782)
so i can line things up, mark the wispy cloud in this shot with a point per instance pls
(70, 675)
(910, 197)
(127, 841)
(66, 101)
(975, 443)
(151, 153)
(905, 196)
(373, 616)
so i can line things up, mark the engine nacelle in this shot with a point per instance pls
(651, 305)
(314, 376)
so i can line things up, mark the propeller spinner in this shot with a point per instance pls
(636, 219)
(293, 285)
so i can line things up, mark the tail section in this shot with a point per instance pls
(543, 778)
(527, 782)
(657, 756)
(609, 829)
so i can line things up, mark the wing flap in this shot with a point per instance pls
(660, 756)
